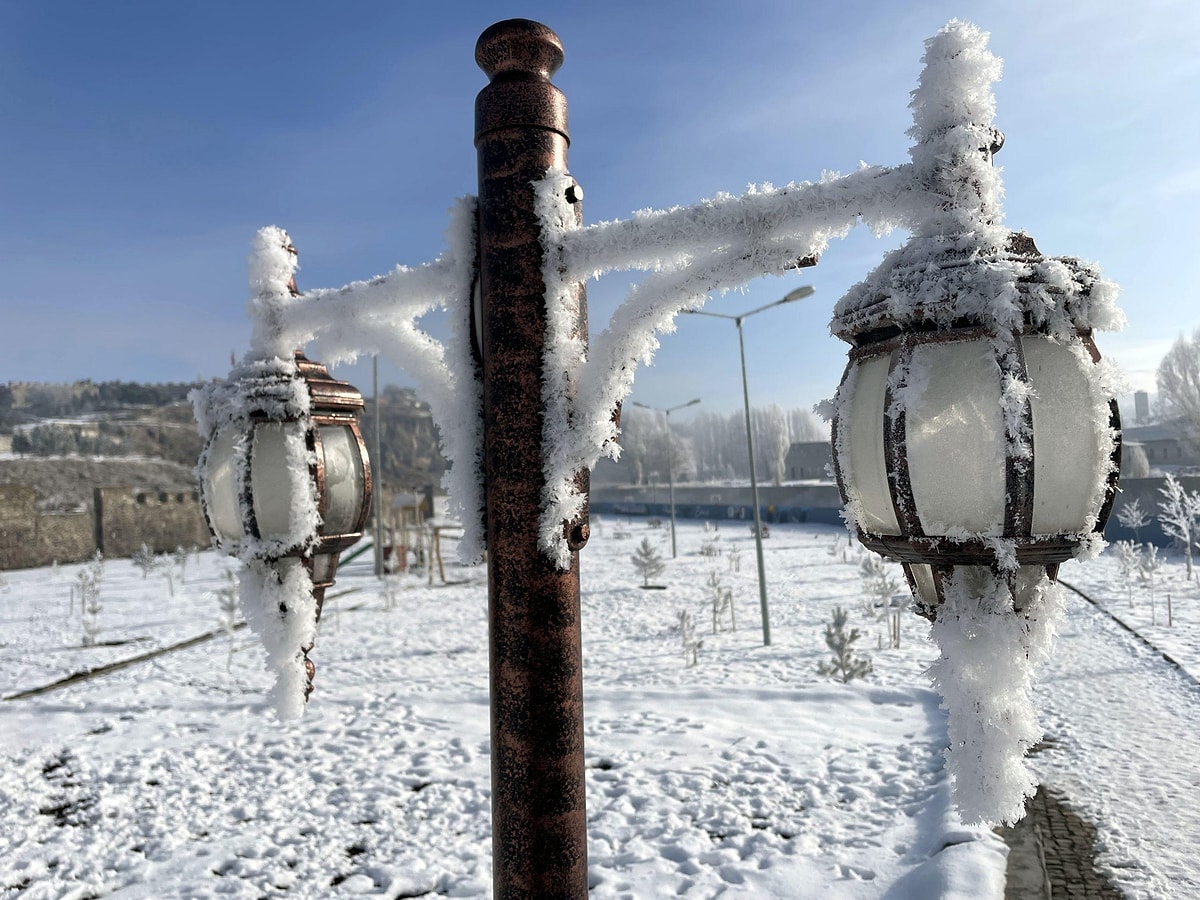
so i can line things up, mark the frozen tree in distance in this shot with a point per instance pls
(1133, 517)
(1178, 382)
(1179, 515)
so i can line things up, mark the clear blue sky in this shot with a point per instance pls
(145, 142)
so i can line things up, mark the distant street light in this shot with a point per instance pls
(670, 462)
(798, 294)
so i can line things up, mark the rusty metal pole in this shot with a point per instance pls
(538, 817)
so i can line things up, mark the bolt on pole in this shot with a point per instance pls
(539, 823)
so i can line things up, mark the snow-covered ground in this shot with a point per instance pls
(747, 775)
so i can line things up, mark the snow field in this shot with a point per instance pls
(747, 775)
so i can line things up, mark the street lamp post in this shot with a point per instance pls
(798, 294)
(670, 459)
(966, 324)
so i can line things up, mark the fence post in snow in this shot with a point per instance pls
(538, 815)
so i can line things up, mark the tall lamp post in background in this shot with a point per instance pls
(670, 458)
(799, 293)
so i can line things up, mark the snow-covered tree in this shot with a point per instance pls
(1134, 462)
(1179, 383)
(844, 664)
(773, 442)
(647, 561)
(1133, 517)
(803, 426)
(1179, 515)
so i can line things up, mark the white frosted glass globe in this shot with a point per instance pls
(861, 433)
(221, 486)
(343, 479)
(1066, 453)
(955, 439)
(271, 480)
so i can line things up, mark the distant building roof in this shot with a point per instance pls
(1158, 431)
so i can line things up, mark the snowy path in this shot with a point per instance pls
(1125, 731)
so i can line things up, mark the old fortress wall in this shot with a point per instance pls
(121, 520)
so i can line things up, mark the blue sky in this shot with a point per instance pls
(145, 142)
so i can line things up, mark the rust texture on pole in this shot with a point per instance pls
(538, 814)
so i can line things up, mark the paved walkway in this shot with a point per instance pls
(1123, 755)
(1052, 854)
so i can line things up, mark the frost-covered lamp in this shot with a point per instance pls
(284, 475)
(299, 421)
(976, 424)
(963, 438)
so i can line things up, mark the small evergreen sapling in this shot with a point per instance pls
(90, 578)
(165, 565)
(844, 664)
(181, 560)
(144, 559)
(227, 598)
(648, 562)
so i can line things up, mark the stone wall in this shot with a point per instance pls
(29, 538)
(162, 520)
(123, 520)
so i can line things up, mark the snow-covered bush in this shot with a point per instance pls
(721, 599)
(844, 664)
